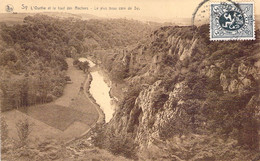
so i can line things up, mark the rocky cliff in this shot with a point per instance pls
(189, 98)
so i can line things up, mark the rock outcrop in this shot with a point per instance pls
(194, 91)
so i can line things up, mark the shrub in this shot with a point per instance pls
(4, 130)
(67, 78)
(23, 129)
(76, 62)
(116, 144)
(119, 72)
(172, 127)
(229, 115)
(130, 97)
(120, 145)
(214, 82)
(83, 66)
(159, 97)
(98, 136)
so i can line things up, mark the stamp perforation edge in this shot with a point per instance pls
(237, 38)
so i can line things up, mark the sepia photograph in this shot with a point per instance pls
(130, 80)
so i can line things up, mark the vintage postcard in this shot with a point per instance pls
(119, 80)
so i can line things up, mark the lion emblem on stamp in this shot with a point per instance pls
(232, 21)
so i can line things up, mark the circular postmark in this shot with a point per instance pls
(205, 2)
(9, 8)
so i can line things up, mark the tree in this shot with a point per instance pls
(119, 72)
(4, 130)
(23, 129)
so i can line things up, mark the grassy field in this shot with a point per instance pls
(12, 19)
(55, 121)
(66, 118)
(71, 90)
(39, 129)
(83, 104)
(61, 117)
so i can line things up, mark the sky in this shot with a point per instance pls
(161, 9)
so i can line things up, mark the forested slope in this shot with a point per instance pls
(32, 54)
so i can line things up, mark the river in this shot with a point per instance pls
(99, 90)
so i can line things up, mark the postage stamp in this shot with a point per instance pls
(232, 21)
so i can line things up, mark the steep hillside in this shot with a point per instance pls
(38, 47)
(187, 98)
(33, 71)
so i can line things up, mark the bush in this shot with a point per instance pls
(159, 97)
(23, 129)
(119, 72)
(172, 127)
(4, 130)
(67, 78)
(120, 145)
(83, 66)
(229, 114)
(129, 101)
(98, 136)
(76, 62)
(213, 83)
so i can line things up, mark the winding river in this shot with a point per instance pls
(99, 90)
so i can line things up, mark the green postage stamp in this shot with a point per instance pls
(232, 21)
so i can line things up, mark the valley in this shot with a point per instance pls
(119, 89)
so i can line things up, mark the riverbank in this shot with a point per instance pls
(99, 90)
(101, 118)
(117, 90)
(87, 87)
